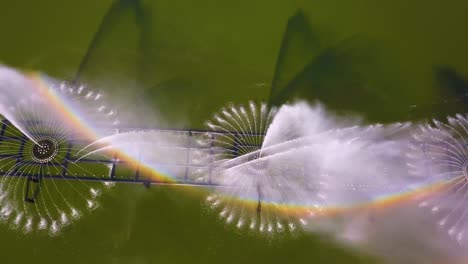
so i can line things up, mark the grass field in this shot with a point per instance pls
(177, 62)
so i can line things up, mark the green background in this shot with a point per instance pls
(177, 62)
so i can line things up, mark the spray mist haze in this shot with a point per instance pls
(394, 190)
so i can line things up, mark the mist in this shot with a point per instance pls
(396, 191)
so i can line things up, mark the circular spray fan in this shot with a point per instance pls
(45, 124)
(439, 157)
(261, 187)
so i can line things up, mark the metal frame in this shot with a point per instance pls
(34, 179)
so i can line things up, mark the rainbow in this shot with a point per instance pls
(381, 203)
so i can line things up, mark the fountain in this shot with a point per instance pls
(44, 125)
(270, 170)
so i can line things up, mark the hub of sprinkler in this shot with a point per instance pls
(45, 150)
(258, 165)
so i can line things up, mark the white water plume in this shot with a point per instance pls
(410, 184)
(305, 162)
